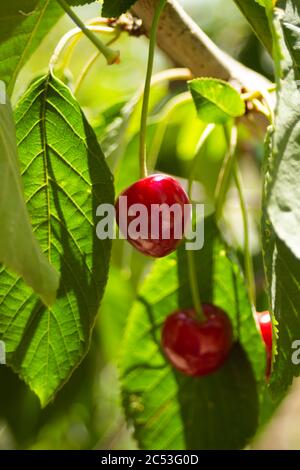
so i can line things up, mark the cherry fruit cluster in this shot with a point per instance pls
(194, 346)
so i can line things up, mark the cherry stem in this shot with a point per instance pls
(131, 106)
(74, 35)
(91, 62)
(248, 258)
(231, 167)
(194, 285)
(258, 93)
(190, 255)
(145, 106)
(111, 56)
(268, 105)
(226, 172)
(261, 108)
(205, 134)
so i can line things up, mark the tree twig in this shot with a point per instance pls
(184, 42)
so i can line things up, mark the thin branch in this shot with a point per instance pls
(184, 42)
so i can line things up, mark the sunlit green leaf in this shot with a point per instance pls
(65, 178)
(216, 101)
(19, 249)
(23, 25)
(266, 3)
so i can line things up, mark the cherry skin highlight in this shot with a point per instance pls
(265, 325)
(151, 192)
(196, 347)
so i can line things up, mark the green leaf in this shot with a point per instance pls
(23, 25)
(256, 16)
(283, 273)
(109, 129)
(114, 8)
(281, 221)
(284, 197)
(286, 307)
(266, 3)
(168, 409)
(65, 178)
(114, 312)
(19, 249)
(216, 101)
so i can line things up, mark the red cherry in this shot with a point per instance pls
(154, 190)
(197, 347)
(265, 325)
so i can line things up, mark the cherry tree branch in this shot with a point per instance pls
(184, 42)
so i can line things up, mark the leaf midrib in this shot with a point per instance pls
(48, 209)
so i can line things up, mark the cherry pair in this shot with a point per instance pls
(193, 347)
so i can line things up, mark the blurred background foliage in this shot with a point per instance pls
(87, 413)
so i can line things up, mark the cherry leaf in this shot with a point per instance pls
(65, 178)
(281, 216)
(216, 101)
(173, 411)
(23, 25)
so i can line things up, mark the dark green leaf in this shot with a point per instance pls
(114, 8)
(65, 178)
(19, 249)
(256, 16)
(172, 411)
(76, 3)
(281, 221)
(216, 101)
(23, 25)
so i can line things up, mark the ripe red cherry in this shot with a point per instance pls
(265, 325)
(150, 191)
(197, 347)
